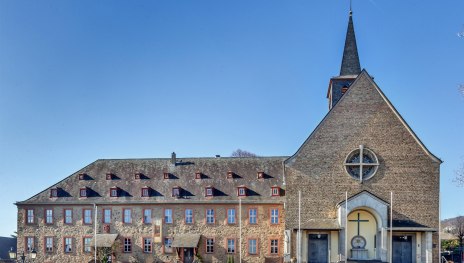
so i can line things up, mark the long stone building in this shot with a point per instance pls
(361, 187)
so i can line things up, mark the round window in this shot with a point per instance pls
(361, 164)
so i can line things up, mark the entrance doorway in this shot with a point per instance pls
(188, 255)
(402, 249)
(318, 248)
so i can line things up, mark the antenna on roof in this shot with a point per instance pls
(351, 10)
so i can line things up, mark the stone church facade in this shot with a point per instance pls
(361, 187)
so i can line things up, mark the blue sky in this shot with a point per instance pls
(84, 80)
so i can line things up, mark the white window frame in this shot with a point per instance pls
(189, 216)
(88, 216)
(127, 219)
(253, 217)
(274, 216)
(106, 216)
(48, 216)
(68, 245)
(147, 213)
(230, 245)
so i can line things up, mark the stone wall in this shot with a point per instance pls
(219, 231)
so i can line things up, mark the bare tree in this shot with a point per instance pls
(242, 153)
(457, 229)
(459, 178)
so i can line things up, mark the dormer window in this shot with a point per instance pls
(109, 176)
(137, 176)
(260, 175)
(83, 192)
(197, 175)
(209, 191)
(114, 192)
(53, 192)
(344, 89)
(230, 175)
(166, 175)
(176, 192)
(241, 191)
(275, 191)
(145, 192)
(81, 176)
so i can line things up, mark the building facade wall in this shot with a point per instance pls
(220, 231)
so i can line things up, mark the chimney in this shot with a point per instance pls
(173, 158)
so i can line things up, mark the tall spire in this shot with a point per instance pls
(350, 62)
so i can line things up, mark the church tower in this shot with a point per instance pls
(350, 68)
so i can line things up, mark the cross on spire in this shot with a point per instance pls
(359, 221)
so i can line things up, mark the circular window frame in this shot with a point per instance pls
(360, 152)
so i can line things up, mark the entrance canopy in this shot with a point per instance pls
(104, 240)
(186, 240)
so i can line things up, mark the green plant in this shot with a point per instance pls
(230, 259)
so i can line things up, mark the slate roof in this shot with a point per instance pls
(213, 173)
(350, 61)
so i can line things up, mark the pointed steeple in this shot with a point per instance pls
(350, 62)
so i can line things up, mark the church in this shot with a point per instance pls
(361, 188)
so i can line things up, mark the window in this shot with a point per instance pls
(137, 176)
(147, 245)
(87, 216)
(48, 216)
(145, 192)
(275, 191)
(29, 244)
(168, 216)
(168, 245)
(107, 216)
(210, 216)
(231, 216)
(208, 191)
(127, 245)
(114, 192)
(274, 246)
(68, 245)
(127, 216)
(53, 192)
(252, 246)
(68, 216)
(109, 176)
(197, 175)
(30, 216)
(274, 216)
(230, 245)
(230, 175)
(209, 245)
(188, 216)
(361, 164)
(252, 216)
(166, 175)
(87, 244)
(260, 175)
(241, 191)
(175, 192)
(48, 244)
(147, 216)
(83, 192)
(81, 176)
